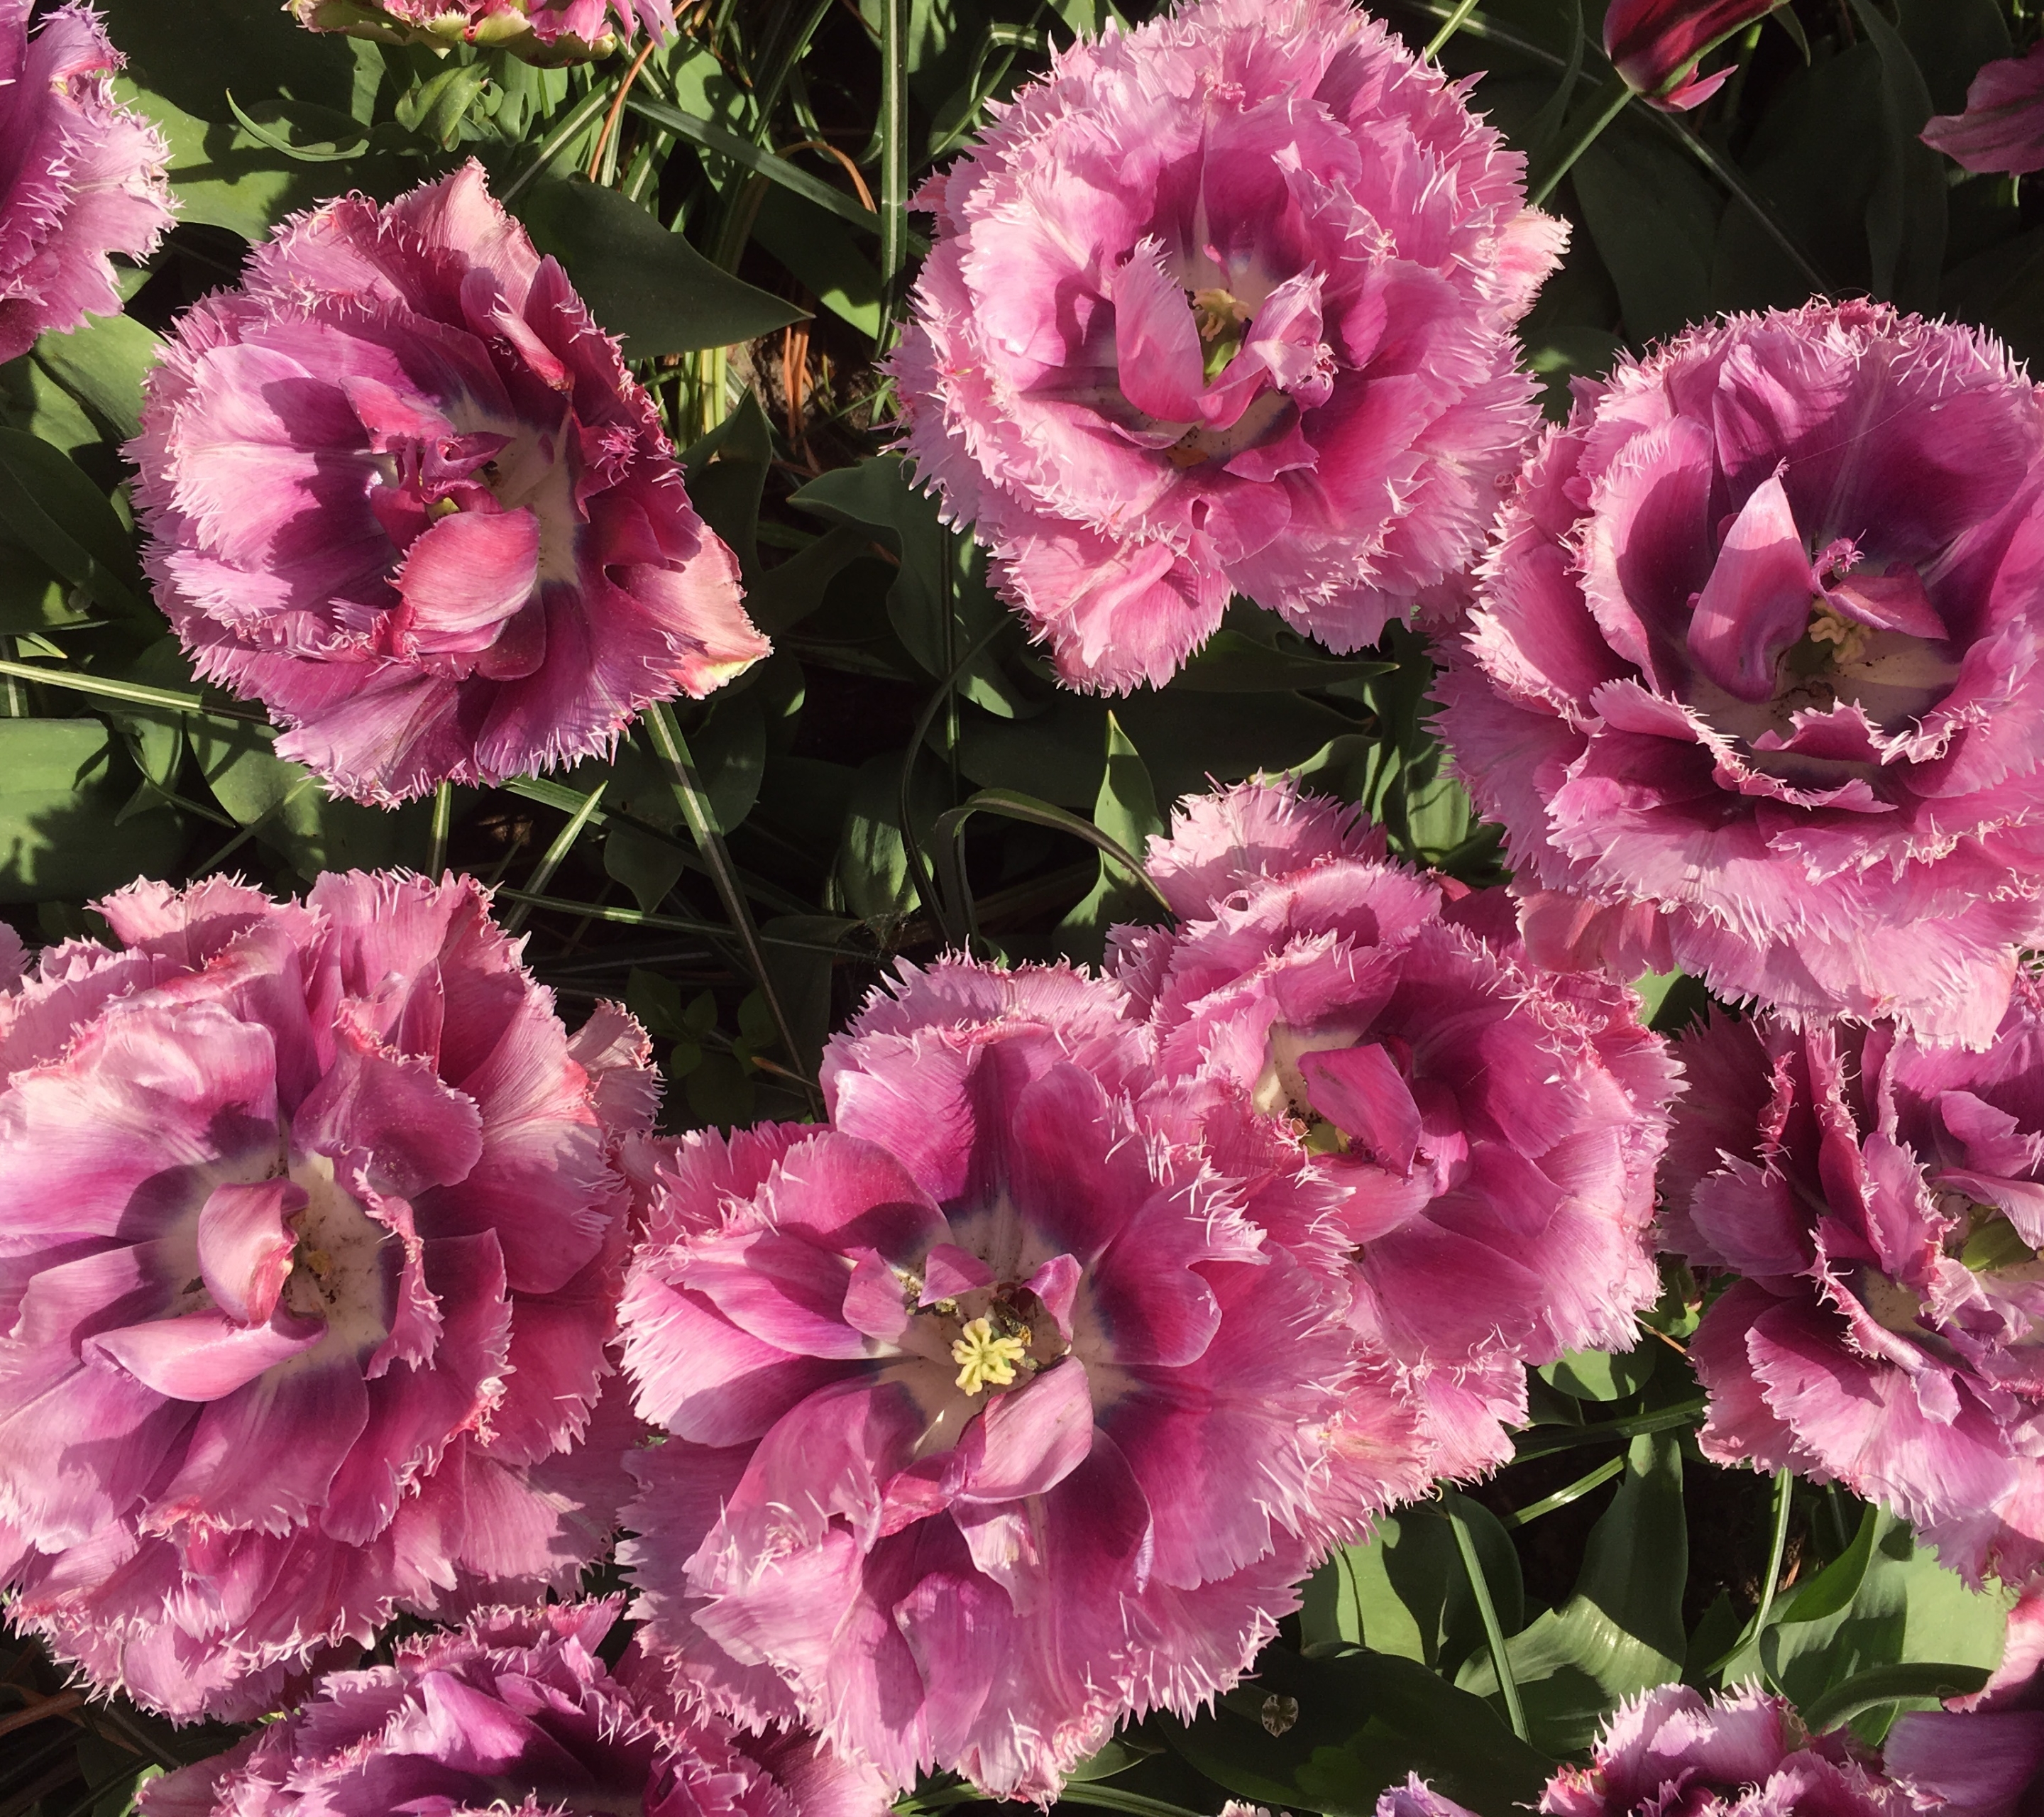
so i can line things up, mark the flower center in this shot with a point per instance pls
(1222, 319)
(338, 1263)
(987, 1357)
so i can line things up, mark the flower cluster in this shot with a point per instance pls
(539, 31)
(1224, 303)
(82, 176)
(315, 1222)
(401, 490)
(1749, 1755)
(1493, 1132)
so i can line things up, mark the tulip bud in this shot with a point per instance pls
(551, 31)
(1656, 44)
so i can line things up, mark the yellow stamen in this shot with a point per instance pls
(984, 1358)
(442, 508)
(1830, 627)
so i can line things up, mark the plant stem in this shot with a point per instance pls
(555, 856)
(436, 847)
(1609, 103)
(1438, 42)
(893, 134)
(1493, 1631)
(673, 750)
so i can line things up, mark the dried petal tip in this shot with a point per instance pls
(84, 177)
(539, 31)
(401, 488)
(1224, 304)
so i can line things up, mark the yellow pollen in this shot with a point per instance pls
(1829, 626)
(984, 1358)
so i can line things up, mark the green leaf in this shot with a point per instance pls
(1229, 663)
(1622, 1631)
(1885, 1602)
(102, 364)
(294, 129)
(1364, 1722)
(222, 176)
(872, 869)
(195, 52)
(61, 794)
(1126, 813)
(640, 282)
(726, 472)
(940, 583)
(817, 248)
(803, 978)
(435, 109)
(787, 593)
(1655, 217)
(1600, 1375)
(48, 504)
(1905, 215)
(1926, 1681)
(289, 812)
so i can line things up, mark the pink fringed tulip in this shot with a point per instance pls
(1655, 45)
(2003, 127)
(401, 490)
(1494, 1133)
(1224, 303)
(315, 1231)
(539, 31)
(1884, 1202)
(1742, 1754)
(80, 176)
(1755, 685)
(993, 1417)
(515, 1711)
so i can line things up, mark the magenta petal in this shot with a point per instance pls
(1894, 601)
(1031, 1439)
(785, 1291)
(203, 1356)
(1362, 1093)
(466, 575)
(244, 1246)
(1156, 344)
(1056, 1283)
(1757, 600)
(951, 1271)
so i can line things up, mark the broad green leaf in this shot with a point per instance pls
(32, 401)
(102, 364)
(1126, 812)
(1600, 1375)
(1653, 215)
(818, 249)
(873, 874)
(61, 794)
(289, 811)
(195, 52)
(726, 472)
(1363, 1722)
(49, 505)
(1621, 1632)
(787, 593)
(1229, 663)
(1925, 1682)
(803, 978)
(640, 282)
(941, 581)
(1885, 1602)
(1950, 40)
(1906, 213)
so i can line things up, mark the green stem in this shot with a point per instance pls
(135, 693)
(436, 847)
(577, 120)
(1540, 1443)
(1560, 1498)
(919, 867)
(1438, 42)
(1493, 1631)
(660, 924)
(893, 133)
(555, 856)
(1608, 103)
(1729, 176)
(1784, 1484)
(673, 750)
